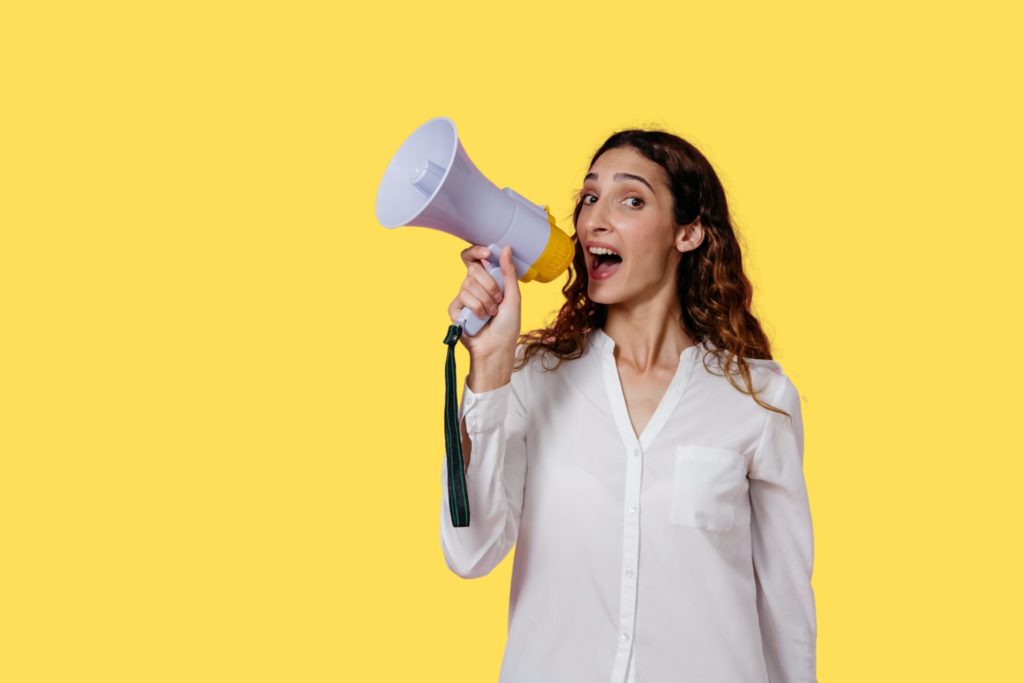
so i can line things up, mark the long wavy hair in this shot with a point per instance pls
(714, 293)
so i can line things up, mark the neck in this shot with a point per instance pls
(647, 334)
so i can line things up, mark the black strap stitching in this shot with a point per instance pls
(458, 497)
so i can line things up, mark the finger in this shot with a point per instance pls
(478, 292)
(508, 270)
(479, 274)
(473, 304)
(455, 309)
(474, 252)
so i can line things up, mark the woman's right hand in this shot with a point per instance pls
(482, 295)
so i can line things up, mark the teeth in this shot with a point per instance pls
(601, 250)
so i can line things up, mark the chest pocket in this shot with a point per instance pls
(706, 487)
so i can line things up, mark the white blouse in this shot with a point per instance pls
(683, 555)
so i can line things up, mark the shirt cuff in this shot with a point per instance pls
(485, 410)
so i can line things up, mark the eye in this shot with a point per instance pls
(583, 200)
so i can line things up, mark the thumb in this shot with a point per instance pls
(508, 269)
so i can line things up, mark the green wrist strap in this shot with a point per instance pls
(458, 497)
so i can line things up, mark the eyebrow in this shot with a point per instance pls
(621, 176)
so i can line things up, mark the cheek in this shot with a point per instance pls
(650, 266)
(653, 252)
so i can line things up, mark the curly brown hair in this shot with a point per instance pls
(713, 291)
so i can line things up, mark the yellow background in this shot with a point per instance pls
(222, 382)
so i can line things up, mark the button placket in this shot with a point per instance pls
(634, 448)
(633, 459)
(630, 558)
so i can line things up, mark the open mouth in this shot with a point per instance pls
(605, 264)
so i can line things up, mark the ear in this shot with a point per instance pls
(689, 237)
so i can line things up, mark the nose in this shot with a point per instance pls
(593, 219)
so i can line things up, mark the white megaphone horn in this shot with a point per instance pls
(431, 182)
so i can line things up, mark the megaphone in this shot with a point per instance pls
(431, 182)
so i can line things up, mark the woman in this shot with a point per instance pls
(656, 499)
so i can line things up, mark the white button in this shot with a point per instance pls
(636, 452)
(632, 508)
(629, 572)
(625, 636)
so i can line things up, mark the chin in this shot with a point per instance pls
(605, 297)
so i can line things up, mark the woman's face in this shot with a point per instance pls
(627, 207)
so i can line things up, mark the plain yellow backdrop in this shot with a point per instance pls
(222, 379)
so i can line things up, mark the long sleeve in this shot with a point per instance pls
(783, 546)
(496, 424)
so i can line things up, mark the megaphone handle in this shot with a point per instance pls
(470, 321)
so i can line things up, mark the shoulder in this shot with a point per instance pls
(716, 358)
(543, 370)
(769, 377)
(543, 359)
(523, 368)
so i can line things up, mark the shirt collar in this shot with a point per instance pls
(606, 344)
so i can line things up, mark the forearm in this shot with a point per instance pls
(493, 430)
(491, 370)
(486, 372)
